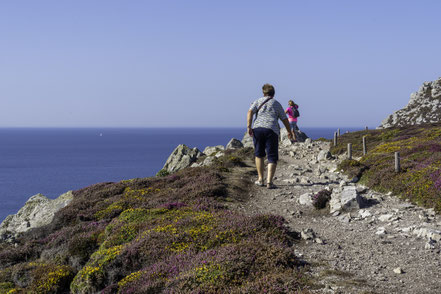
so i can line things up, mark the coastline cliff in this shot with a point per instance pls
(201, 224)
(424, 107)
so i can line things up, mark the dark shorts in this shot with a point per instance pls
(265, 140)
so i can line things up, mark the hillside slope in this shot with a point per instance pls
(170, 234)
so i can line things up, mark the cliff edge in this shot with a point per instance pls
(424, 107)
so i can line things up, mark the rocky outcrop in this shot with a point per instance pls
(212, 150)
(424, 107)
(247, 140)
(181, 158)
(37, 212)
(345, 199)
(234, 144)
(301, 137)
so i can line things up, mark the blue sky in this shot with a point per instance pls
(201, 63)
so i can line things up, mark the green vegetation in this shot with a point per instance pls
(169, 234)
(420, 153)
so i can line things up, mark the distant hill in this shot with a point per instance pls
(424, 107)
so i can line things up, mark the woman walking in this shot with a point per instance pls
(293, 114)
(265, 132)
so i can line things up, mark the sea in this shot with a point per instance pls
(52, 161)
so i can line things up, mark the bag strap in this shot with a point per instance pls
(268, 99)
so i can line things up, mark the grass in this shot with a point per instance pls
(166, 234)
(420, 153)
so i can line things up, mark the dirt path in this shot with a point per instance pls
(388, 246)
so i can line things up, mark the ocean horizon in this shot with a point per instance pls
(52, 161)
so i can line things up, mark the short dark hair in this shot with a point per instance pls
(268, 90)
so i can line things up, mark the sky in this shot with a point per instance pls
(164, 63)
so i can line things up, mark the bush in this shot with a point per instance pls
(320, 199)
(420, 155)
(162, 173)
(169, 234)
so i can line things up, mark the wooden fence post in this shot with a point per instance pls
(349, 150)
(397, 162)
(335, 139)
(364, 145)
(338, 132)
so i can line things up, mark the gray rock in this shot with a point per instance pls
(380, 231)
(307, 234)
(37, 211)
(234, 144)
(301, 137)
(430, 245)
(345, 218)
(324, 155)
(247, 140)
(350, 199)
(210, 150)
(181, 158)
(345, 198)
(364, 213)
(319, 241)
(424, 107)
(208, 161)
(385, 217)
(305, 199)
(428, 233)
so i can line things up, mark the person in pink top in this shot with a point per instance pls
(292, 118)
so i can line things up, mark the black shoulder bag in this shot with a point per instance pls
(268, 99)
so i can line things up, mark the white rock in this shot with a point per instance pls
(208, 161)
(304, 181)
(429, 245)
(408, 229)
(364, 213)
(350, 199)
(428, 234)
(398, 270)
(305, 199)
(37, 211)
(385, 217)
(181, 158)
(318, 241)
(213, 149)
(307, 234)
(324, 155)
(234, 144)
(380, 231)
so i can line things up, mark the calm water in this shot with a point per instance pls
(53, 161)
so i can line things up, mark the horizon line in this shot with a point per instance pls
(167, 127)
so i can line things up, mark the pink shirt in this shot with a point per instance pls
(291, 114)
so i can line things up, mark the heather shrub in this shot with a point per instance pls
(171, 234)
(420, 153)
(162, 173)
(320, 199)
(353, 168)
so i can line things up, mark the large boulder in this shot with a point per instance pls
(301, 137)
(181, 158)
(247, 140)
(424, 107)
(234, 144)
(324, 155)
(210, 150)
(37, 212)
(346, 198)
